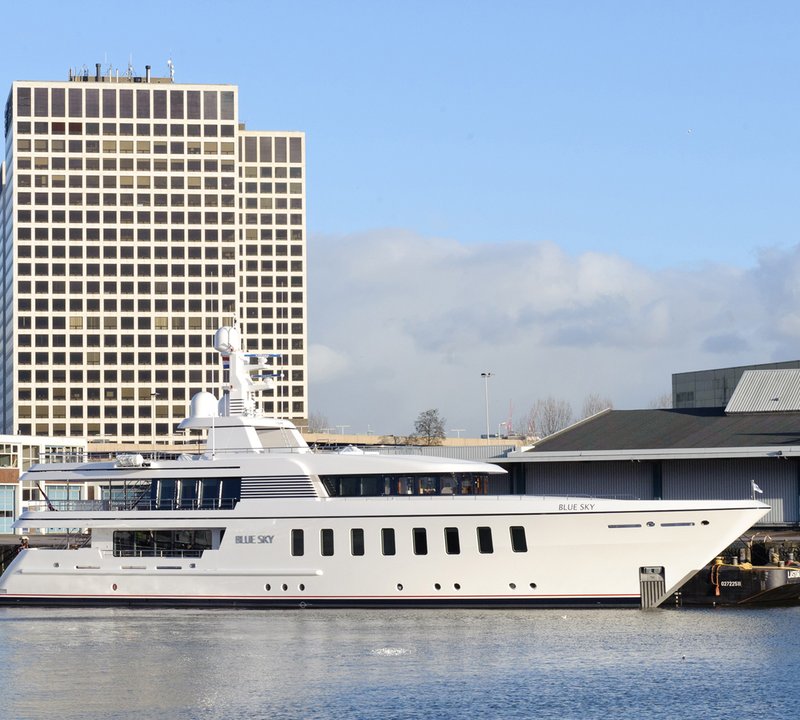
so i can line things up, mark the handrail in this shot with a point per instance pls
(140, 504)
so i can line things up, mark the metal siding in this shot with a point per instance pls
(766, 391)
(729, 479)
(621, 479)
(499, 485)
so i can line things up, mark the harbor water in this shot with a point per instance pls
(89, 664)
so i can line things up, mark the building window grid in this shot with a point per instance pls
(116, 175)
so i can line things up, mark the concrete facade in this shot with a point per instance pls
(138, 216)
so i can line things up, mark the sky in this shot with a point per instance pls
(578, 197)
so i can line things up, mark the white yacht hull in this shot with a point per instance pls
(579, 552)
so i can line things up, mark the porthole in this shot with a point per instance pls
(437, 586)
(651, 524)
(533, 586)
(56, 564)
(513, 586)
(267, 587)
(399, 586)
(301, 587)
(457, 586)
(114, 586)
(284, 587)
(704, 522)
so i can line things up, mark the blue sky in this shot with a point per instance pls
(579, 196)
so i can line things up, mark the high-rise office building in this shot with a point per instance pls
(138, 216)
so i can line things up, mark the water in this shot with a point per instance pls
(124, 664)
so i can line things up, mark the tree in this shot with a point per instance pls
(429, 428)
(317, 422)
(594, 403)
(547, 417)
(662, 402)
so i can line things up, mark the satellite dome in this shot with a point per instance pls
(227, 340)
(204, 405)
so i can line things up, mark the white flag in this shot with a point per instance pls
(756, 488)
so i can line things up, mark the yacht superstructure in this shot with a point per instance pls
(258, 519)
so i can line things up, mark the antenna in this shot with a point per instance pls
(171, 66)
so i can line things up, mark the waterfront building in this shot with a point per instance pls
(714, 388)
(17, 454)
(138, 216)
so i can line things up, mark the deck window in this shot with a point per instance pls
(485, 544)
(519, 542)
(387, 541)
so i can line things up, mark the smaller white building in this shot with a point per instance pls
(17, 454)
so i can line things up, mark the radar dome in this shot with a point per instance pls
(204, 405)
(227, 340)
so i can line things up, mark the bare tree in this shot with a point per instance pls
(317, 422)
(528, 425)
(547, 416)
(661, 402)
(595, 403)
(429, 428)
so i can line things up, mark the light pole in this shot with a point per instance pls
(486, 376)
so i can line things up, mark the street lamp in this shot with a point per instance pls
(486, 376)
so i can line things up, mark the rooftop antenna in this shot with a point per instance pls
(171, 67)
(130, 72)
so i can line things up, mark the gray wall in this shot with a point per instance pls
(720, 479)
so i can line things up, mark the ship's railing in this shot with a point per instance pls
(197, 455)
(174, 553)
(140, 504)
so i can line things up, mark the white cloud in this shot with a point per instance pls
(401, 323)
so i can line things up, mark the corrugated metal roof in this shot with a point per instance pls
(676, 429)
(761, 391)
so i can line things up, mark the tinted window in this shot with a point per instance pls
(387, 541)
(326, 539)
(298, 542)
(485, 544)
(518, 541)
(420, 541)
(357, 541)
(451, 542)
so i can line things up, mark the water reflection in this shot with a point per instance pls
(451, 664)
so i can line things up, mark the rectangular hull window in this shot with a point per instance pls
(387, 541)
(326, 540)
(452, 543)
(485, 544)
(357, 541)
(420, 541)
(519, 543)
(298, 543)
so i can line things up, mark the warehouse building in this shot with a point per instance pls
(681, 453)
